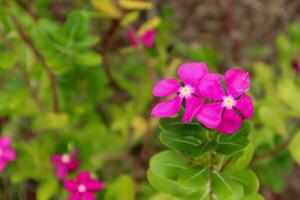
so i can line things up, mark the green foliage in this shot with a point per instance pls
(122, 188)
(77, 55)
(187, 170)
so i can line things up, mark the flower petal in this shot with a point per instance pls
(75, 196)
(88, 196)
(210, 114)
(5, 141)
(166, 87)
(61, 171)
(192, 105)
(9, 154)
(94, 185)
(70, 185)
(148, 38)
(245, 106)
(191, 73)
(73, 165)
(211, 87)
(56, 159)
(167, 108)
(83, 177)
(231, 122)
(237, 82)
(2, 164)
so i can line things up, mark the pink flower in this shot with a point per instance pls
(296, 66)
(147, 38)
(191, 75)
(65, 163)
(7, 153)
(83, 188)
(222, 112)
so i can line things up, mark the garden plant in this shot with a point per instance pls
(101, 100)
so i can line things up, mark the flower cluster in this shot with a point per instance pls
(84, 187)
(65, 163)
(146, 38)
(215, 101)
(7, 153)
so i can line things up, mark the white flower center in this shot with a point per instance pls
(228, 102)
(186, 91)
(81, 188)
(66, 158)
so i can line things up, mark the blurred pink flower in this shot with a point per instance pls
(296, 66)
(147, 39)
(65, 163)
(83, 188)
(221, 113)
(190, 74)
(7, 153)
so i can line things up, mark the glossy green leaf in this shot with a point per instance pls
(228, 144)
(247, 178)
(226, 188)
(172, 174)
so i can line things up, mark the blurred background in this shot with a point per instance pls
(77, 75)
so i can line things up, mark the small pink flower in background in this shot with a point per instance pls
(83, 188)
(221, 112)
(191, 75)
(65, 163)
(147, 39)
(7, 153)
(296, 66)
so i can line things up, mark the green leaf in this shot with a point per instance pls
(88, 58)
(271, 118)
(7, 59)
(284, 48)
(228, 144)
(164, 197)
(243, 160)
(253, 197)
(175, 125)
(76, 26)
(188, 138)
(247, 178)
(130, 18)
(170, 173)
(289, 93)
(122, 188)
(225, 188)
(107, 7)
(294, 147)
(135, 5)
(47, 189)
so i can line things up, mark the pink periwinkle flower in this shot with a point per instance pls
(7, 153)
(65, 163)
(227, 108)
(147, 39)
(191, 75)
(83, 188)
(296, 66)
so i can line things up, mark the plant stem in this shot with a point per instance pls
(228, 161)
(27, 82)
(27, 9)
(42, 60)
(272, 152)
